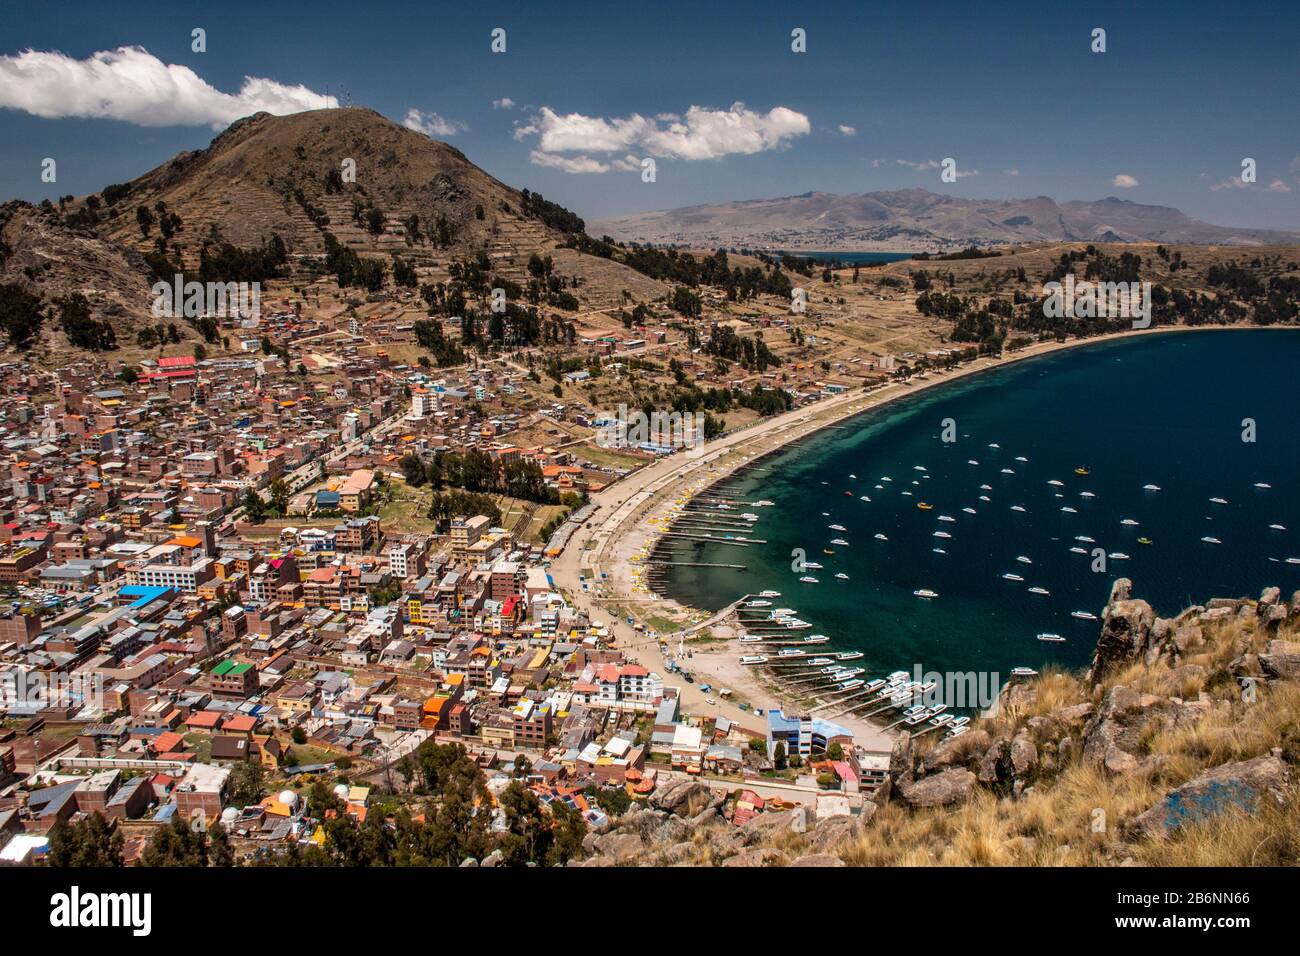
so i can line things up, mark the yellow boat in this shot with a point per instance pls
(923, 506)
(1144, 540)
(1082, 471)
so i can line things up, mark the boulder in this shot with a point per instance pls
(956, 750)
(940, 790)
(1023, 754)
(1242, 784)
(493, 859)
(765, 826)
(1125, 633)
(994, 765)
(619, 847)
(677, 797)
(1282, 660)
(759, 856)
(902, 759)
(818, 859)
(834, 833)
(469, 861)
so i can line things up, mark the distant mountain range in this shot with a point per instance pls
(919, 219)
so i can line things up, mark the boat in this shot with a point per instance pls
(1219, 501)
(918, 467)
(941, 534)
(986, 487)
(924, 506)
(971, 461)
(1083, 470)
(925, 593)
(819, 661)
(840, 542)
(1086, 494)
(1208, 540)
(969, 511)
(1024, 560)
(1084, 538)
(1150, 487)
(1277, 527)
(749, 660)
(750, 516)
(985, 498)
(942, 720)
(791, 652)
(938, 550)
(769, 594)
(1069, 511)
(863, 498)
(1008, 576)
(1083, 615)
(848, 655)
(1038, 590)
(1007, 471)
(841, 575)
(763, 503)
(750, 638)
(816, 639)
(994, 445)
(848, 494)
(853, 476)
(1055, 483)
(1117, 556)
(1144, 540)
(875, 685)
(1017, 507)
(946, 518)
(808, 579)
(1293, 560)
(1129, 522)
(784, 612)
(896, 676)
(1078, 550)
(837, 527)
(1051, 638)
(757, 604)
(812, 564)
(828, 550)
(1023, 672)
(880, 537)
(850, 684)
(955, 732)
(1263, 484)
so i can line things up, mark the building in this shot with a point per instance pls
(804, 736)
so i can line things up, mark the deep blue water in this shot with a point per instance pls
(1160, 409)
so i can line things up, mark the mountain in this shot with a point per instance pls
(287, 177)
(918, 219)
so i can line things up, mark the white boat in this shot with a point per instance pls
(1263, 484)
(816, 639)
(750, 638)
(896, 676)
(1117, 556)
(791, 652)
(1086, 494)
(1219, 501)
(994, 445)
(971, 461)
(1024, 560)
(885, 478)
(918, 467)
(764, 503)
(751, 659)
(1021, 458)
(841, 575)
(1084, 615)
(812, 564)
(1129, 522)
(1150, 487)
(1277, 527)
(986, 487)
(1084, 538)
(819, 661)
(757, 604)
(985, 498)
(941, 720)
(1038, 590)
(769, 594)
(880, 537)
(946, 518)
(1293, 560)
(925, 593)
(1069, 511)
(875, 685)
(1051, 638)
(941, 534)
(960, 721)
(863, 498)
(808, 579)
(1023, 672)
(853, 476)
(784, 612)
(969, 511)
(1056, 484)
(838, 527)
(848, 655)
(938, 550)
(840, 542)
(1017, 507)
(850, 684)
(1208, 540)
(955, 732)
(750, 516)
(1078, 550)
(1007, 471)
(1008, 576)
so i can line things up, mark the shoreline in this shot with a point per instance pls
(633, 513)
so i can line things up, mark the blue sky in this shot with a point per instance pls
(1178, 100)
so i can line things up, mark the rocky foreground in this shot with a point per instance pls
(1178, 747)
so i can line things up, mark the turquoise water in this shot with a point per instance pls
(1160, 409)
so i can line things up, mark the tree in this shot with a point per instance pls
(88, 842)
(20, 315)
(778, 755)
(247, 784)
(176, 845)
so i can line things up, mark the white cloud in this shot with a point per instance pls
(431, 124)
(1232, 182)
(848, 130)
(505, 103)
(1124, 181)
(133, 85)
(568, 164)
(1277, 186)
(702, 133)
(935, 164)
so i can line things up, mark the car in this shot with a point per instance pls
(711, 702)
(689, 678)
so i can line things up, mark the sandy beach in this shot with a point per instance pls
(634, 511)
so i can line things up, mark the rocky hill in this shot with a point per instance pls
(919, 219)
(1177, 748)
(380, 189)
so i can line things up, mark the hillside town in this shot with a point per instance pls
(227, 586)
